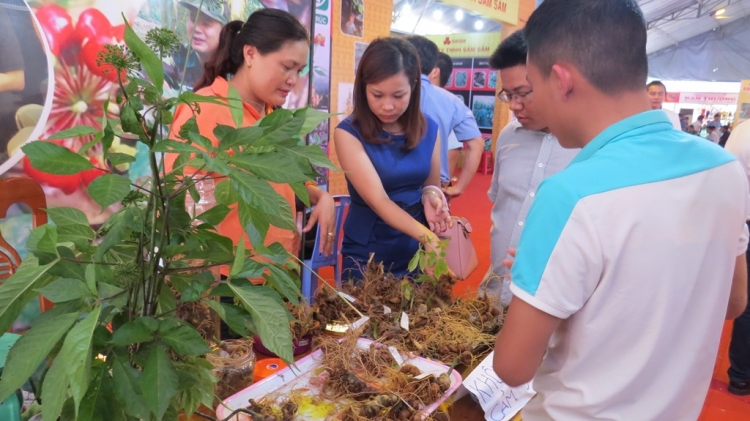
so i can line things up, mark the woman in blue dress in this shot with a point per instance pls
(390, 153)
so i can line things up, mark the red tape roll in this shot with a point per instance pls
(267, 367)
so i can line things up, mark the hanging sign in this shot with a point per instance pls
(499, 10)
(467, 45)
(743, 103)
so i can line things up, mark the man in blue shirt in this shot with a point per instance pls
(451, 116)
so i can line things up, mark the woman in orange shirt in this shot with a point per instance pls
(261, 59)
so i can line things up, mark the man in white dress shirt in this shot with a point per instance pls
(525, 154)
(657, 94)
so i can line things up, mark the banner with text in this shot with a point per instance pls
(710, 98)
(743, 103)
(467, 45)
(499, 10)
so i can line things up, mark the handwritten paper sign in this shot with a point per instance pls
(499, 401)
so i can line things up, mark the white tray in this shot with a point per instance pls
(288, 379)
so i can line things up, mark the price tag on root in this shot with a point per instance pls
(386, 310)
(396, 356)
(404, 321)
(422, 376)
(347, 297)
(499, 401)
(356, 325)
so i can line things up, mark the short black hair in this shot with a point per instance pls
(700, 117)
(428, 52)
(510, 53)
(656, 83)
(445, 64)
(604, 39)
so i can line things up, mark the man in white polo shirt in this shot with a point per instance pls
(633, 255)
(657, 94)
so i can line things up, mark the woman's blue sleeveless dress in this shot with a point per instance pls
(403, 173)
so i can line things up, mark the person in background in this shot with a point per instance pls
(450, 117)
(657, 94)
(684, 122)
(725, 132)
(713, 132)
(623, 278)
(185, 67)
(739, 346)
(525, 154)
(390, 153)
(698, 125)
(717, 120)
(439, 77)
(691, 129)
(262, 59)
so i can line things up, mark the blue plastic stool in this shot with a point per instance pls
(317, 261)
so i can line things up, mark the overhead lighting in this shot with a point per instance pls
(478, 25)
(459, 15)
(437, 14)
(720, 12)
(406, 9)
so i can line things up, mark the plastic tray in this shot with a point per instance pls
(291, 378)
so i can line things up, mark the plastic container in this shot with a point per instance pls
(234, 372)
(207, 200)
(301, 346)
(267, 367)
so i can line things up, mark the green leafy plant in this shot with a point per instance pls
(113, 347)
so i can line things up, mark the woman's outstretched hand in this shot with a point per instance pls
(324, 213)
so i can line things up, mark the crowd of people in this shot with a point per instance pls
(618, 241)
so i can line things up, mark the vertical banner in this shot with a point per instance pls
(743, 103)
(320, 97)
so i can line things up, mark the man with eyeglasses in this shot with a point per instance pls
(525, 154)
(657, 94)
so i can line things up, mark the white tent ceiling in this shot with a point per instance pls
(669, 21)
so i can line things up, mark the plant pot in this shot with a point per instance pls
(301, 346)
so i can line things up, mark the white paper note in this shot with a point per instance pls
(404, 321)
(499, 401)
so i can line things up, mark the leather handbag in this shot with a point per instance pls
(460, 254)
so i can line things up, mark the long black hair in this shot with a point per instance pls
(266, 29)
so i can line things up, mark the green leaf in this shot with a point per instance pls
(239, 259)
(76, 352)
(116, 158)
(55, 159)
(167, 302)
(112, 294)
(196, 384)
(235, 106)
(215, 215)
(109, 189)
(236, 318)
(216, 165)
(68, 268)
(255, 192)
(274, 167)
(173, 146)
(284, 283)
(62, 216)
(128, 389)
(225, 194)
(129, 120)
(159, 381)
(313, 118)
(251, 269)
(98, 404)
(77, 131)
(190, 97)
(43, 242)
(76, 234)
(21, 287)
(190, 126)
(283, 217)
(148, 59)
(30, 351)
(55, 390)
(113, 237)
(414, 262)
(301, 191)
(269, 317)
(230, 137)
(134, 332)
(185, 340)
(63, 290)
(312, 153)
(281, 126)
(256, 226)
(201, 140)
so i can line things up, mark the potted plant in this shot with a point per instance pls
(112, 347)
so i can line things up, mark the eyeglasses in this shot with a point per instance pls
(519, 97)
